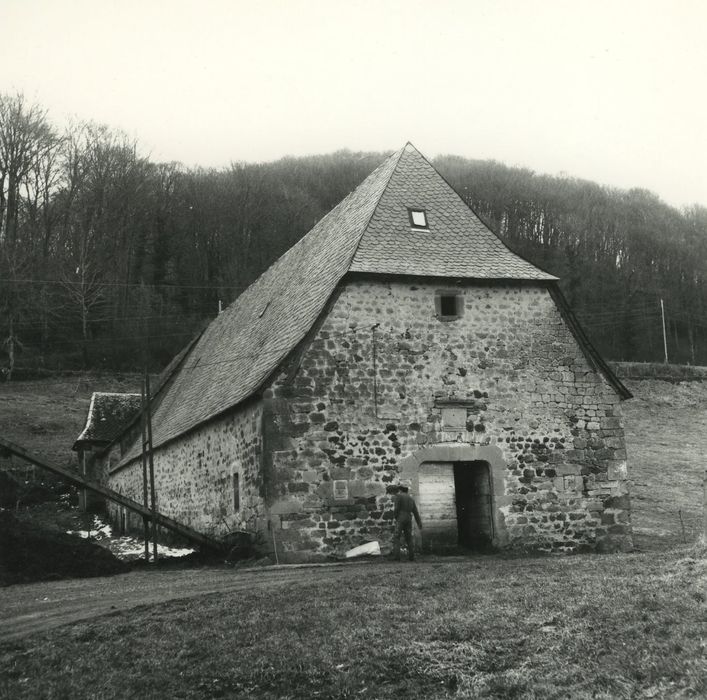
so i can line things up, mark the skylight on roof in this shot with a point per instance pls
(418, 218)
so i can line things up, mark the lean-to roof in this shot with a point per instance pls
(108, 414)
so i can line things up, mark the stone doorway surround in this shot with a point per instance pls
(462, 452)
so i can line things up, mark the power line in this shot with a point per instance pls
(183, 315)
(110, 339)
(166, 285)
(616, 314)
(599, 323)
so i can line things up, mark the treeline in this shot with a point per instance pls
(618, 254)
(109, 260)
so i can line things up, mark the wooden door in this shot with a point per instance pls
(437, 507)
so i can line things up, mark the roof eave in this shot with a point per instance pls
(590, 352)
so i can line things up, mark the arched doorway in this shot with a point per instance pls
(456, 505)
(460, 494)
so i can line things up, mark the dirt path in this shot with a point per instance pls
(37, 607)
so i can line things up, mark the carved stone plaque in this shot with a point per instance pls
(341, 490)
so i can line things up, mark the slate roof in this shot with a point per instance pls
(108, 414)
(457, 243)
(369, 231)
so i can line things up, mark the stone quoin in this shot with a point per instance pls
(400, 339)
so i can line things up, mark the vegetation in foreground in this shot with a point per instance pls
(588, 626)
(30, 553)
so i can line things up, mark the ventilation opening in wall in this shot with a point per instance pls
(236, 492)
(448, 306)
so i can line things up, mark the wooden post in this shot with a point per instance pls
(83, 494)
(153, 505)
(145, 519)
(665, 340)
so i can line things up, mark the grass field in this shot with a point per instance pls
(666, 441)
(612, 626)
(46, 416)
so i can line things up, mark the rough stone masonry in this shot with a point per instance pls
(378, 383)
(383, 379)
(398, 340)
(385, 389)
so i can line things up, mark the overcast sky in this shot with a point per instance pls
(609, 91)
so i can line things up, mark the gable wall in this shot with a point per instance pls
(509, 363)
(194, 474)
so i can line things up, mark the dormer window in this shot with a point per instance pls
(418, 218)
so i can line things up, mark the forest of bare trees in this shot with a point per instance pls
(109, 260)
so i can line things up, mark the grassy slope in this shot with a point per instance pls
(46, 416)
(666, 436)
(613, 626)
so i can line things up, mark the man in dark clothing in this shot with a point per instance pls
(405, 509)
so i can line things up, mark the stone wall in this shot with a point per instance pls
(195, 475)
(383, 379)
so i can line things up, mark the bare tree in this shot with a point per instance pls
(28, 147)
(25, 138)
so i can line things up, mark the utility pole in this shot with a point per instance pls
(665, 340)
(145, 446)
(151, 465)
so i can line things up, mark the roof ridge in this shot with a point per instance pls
(471, 209)
(292, 250)
(88, 417)
(399, 156)
(454, 243)
(294, 290)
(368, 231)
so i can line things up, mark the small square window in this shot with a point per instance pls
(448, 305)
(418, 218)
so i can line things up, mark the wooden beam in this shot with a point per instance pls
(80, 481)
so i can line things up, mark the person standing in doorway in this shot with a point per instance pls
(404, 511)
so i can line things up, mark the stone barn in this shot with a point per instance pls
(399, 339)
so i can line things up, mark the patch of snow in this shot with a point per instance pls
(368, 548)
(99, 530)
(133, 547)
(126, 547)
